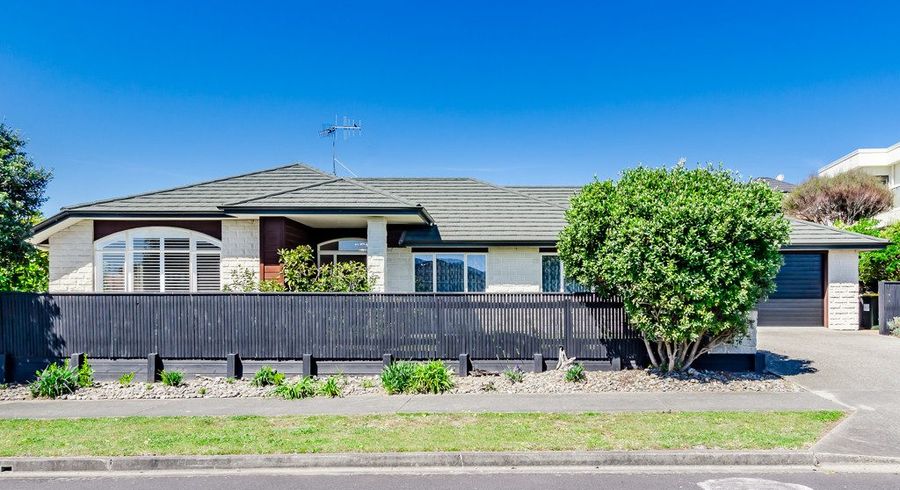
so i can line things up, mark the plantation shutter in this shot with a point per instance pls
(208, 266)
(156, 260)
(112, 267)
(177, 264)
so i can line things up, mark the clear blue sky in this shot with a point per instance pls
(122, 98)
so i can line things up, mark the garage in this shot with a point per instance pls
(799, 297)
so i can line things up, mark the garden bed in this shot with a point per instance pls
(547, 382)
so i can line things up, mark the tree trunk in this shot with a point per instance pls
(679, 356)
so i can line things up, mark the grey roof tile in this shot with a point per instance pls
(335, 193)
(776, 185)
(472, 210)
(208, 196)
(464, 210)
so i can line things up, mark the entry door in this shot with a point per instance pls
(799, 297)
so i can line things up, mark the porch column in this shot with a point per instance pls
(376, 237)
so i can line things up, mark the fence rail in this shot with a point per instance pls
(329, 326)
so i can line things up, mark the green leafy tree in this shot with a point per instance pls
(877, 265)
(846, 197)
(22, 186)
(690, 252)
(302, 274)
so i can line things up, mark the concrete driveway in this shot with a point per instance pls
(860, 370)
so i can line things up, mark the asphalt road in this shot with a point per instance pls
(519, 480)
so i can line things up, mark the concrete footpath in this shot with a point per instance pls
(380, 404)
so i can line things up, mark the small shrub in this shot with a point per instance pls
(894, 326)
(229, 380)
(514, 375)
(148, 386)
(332, 387)
(266, 376)
(55, 381)
(126, 379)
(85, 374)
(367, 384)
(397, 377)
(306, 387)
(432, 377)
(201, 391)
(489, 386)
(575, 373)
(3, 386)
(171, 378)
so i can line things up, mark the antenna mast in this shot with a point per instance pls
(346, 129)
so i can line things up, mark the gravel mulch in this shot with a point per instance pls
(629, 381)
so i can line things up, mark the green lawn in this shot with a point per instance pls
(412, 432)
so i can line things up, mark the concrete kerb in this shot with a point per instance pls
(437, 459)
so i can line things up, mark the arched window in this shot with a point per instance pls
(157, 259)
(343, 250)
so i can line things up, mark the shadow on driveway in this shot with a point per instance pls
(783, 365)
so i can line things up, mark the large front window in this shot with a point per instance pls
(450, 273)
(157, 259)
(343, 250)
(553, 278)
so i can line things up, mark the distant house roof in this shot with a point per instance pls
(462, 210)
(777, 185)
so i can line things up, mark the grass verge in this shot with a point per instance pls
(131, 436)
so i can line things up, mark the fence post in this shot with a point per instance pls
(387, 360)
(76, 360)
(882, 301)
(152, 367)
(616, 363)
(463, 369)
(233, 366)
(567, 321)
(309, 365)
(538, 363)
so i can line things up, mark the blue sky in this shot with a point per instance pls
(119, 98)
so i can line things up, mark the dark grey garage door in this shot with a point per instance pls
(799, 297)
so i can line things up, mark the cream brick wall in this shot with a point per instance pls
(376, 251)
(746, 345)
(240, 247)
(399, 271)
(72, 258)
(513, 270)
(843, 289)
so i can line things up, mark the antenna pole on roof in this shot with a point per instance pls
(346, 129)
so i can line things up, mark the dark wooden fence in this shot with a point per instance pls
(888, 304)
(328, 326)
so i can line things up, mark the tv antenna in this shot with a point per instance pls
(348, 128)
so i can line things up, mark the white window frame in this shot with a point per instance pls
(155, 232)
(465, 270)
(335, 253)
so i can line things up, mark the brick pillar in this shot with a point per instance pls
(843, 290)
(376, 238)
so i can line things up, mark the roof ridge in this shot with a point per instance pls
(414, 178)
(522, 194)
(380, 191)
(195, 184)
(846, 232)
(529, 186)
(278, 193)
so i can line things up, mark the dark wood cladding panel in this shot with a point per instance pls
(104, 228)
